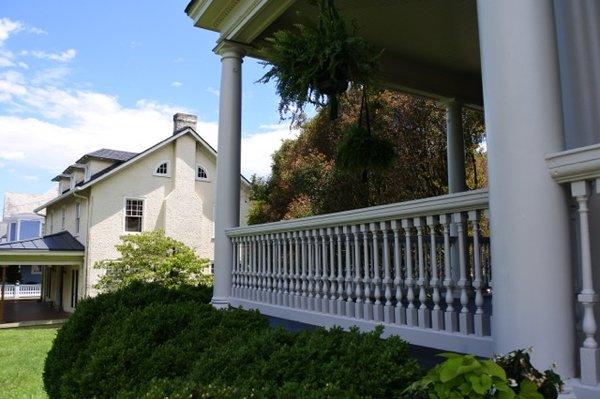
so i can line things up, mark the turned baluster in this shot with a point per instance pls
(399, 311)
(424, 315)
(437, 315)
(247, 270)
(480, 319)
(279, 297)
(254, 258)
(368, 305)
(304, 277)
(317, 257)
(359, 310)
(269, 274)
(589, 353)
(297, 301)
(411, 310)
(286, 273)
(465, 320)
(340, 307)
(235, 273)
(324, 275)
(377, 306)
(349, 303)
(450, 317)
(332, 276)
(388, 309)
(310, 304)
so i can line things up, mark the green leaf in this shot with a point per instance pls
(491, 368)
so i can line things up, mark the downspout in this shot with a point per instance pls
(87, 239)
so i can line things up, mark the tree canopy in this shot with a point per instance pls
(152, 257)
(308, 179)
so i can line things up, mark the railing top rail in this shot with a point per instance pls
(574, 165)
(450, 203)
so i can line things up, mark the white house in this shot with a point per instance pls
(533, 66)
(106, 194)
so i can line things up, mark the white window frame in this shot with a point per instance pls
(88, 173)
(125, 214)
(50, 217)
(168, 174)
(77, 218)
(72, 182)
(10, 229)
(35, 270)
(63, 218)
(207, 178)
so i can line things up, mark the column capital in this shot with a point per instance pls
(227, 49)
(451, 102)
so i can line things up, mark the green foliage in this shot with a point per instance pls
(508, 377)
(518, 367)
(361, 151)
(153, 342)
(316, 63)
(152, 257)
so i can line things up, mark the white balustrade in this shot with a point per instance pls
(580, 169)
(22, 291)
(386, 265)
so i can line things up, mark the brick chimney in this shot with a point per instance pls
(181, 121)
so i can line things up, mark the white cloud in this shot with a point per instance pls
(176, 84)
(31, 177)
(12, 155)
(8, 27)
(214, 91)
(63, 56)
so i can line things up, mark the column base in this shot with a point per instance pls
(580, 390)
(220, 302)
(590, 366)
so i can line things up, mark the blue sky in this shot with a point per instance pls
(76, 76)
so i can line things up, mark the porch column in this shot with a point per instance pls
(227, 209)
(455, 146)
(533, 294)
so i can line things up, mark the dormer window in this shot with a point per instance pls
(162, 169)
(72, 182)
(88, 173)
(201, 173)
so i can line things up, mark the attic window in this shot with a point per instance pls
(201, 173)
(162, 169)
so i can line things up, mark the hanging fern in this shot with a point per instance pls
(316, 64)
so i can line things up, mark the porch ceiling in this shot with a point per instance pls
(431, 47)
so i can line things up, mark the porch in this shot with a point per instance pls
(31, 310)
(436, 271)
(60, 257)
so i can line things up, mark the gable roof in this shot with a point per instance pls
(103, 174)
(62, 241)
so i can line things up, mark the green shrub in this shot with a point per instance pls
(152, 342)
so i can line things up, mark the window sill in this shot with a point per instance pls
(159, 175)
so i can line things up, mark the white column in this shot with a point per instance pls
(455, 146)
(227, 212)
(533, 293)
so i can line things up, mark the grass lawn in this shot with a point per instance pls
(22, 355)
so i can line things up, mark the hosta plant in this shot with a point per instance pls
(464, 376)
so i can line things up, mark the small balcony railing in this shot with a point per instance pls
(22, 291)
(420, 268)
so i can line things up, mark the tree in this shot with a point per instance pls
(152, 257)
(307, 179)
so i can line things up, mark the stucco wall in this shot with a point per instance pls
(179, 204)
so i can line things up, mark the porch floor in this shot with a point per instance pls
(16, 311)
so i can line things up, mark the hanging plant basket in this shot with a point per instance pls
(315, 64)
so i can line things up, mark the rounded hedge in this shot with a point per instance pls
(152, 342)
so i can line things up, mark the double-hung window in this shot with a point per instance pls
(134, 213)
